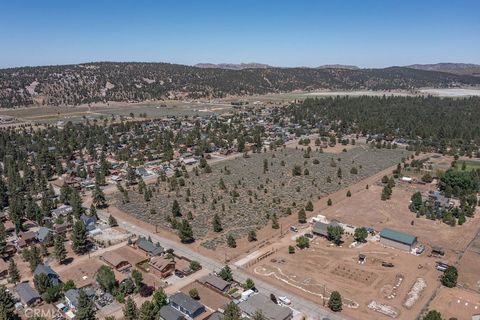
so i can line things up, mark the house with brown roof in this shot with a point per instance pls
(161, 266)
(27, 238)
(115, 260)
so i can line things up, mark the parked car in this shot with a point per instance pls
(284, 300)
(387, 264)
(293, 228)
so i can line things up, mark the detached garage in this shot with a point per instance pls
(397, 239)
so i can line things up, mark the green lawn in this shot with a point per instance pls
(471, 164)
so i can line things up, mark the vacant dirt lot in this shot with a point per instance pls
(315, 272)
(365, 208)
(468, 269)
(456, 302)
(253, 195)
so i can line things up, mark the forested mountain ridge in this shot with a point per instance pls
(111, 81)
(455, 68)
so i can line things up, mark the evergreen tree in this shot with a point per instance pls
(159, 298)
(112, 222)
(226, 273)
(433, 315)
(98, 197)
(302, 216)
(86, 308)
(79, 237)
(147, 311)
(185, 232)
(34, 258)
(252, 236)
(335, 301)
(232, 312)
(13, 273)
(106, 278)
(7, 304)
(59, 250)
(231, 242)
(217, 225)
(449, 277)
(130, 311)
(360, 234)
(176, 212)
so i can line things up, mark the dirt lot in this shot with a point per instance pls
(469, 276)
(456, 302)
(251, 196)
(315, 272)
(208, 297)
(365, 208)
(82, 273)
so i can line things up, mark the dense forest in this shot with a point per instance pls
(110, 81)
(425, 122)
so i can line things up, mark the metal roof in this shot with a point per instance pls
(398, 236)
(26, 292)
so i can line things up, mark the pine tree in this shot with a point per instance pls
(176, 212)
(13, 273)
(231, 242)
(85, 309)
(302, 216)
(112, 222)
(130, 311)
(79, 237)
(34, 258)
(309, 206)
(159, 298)
(93, 211)
(59, 250)
(252, 236)
(335, 301)
(3, 238)
(98, 196)
(147, 311)
(7, 304)
(275, 224)
(185, 232)
(217, 224)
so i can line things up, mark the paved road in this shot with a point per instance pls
(309, 308)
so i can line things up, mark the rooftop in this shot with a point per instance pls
(398, 236)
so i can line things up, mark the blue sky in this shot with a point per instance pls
(281, 33)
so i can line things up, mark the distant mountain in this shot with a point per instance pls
(338, 66)
(234, 66)
(455, 68)
(138, 81)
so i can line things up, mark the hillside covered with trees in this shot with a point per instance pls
(111, 81)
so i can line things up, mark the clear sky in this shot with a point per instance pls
(281, 33)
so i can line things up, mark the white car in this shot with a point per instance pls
(284, 300)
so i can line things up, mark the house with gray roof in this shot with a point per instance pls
(71, 296)
(89, 222)
(46, 269)
(270, 310)
(186, 305)
(215, 282)
(43, 234)
(321, 228)
(169, 313)
(149, 247)
(28, 295)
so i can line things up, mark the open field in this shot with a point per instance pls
(315, 272)
(251, 196)
(469, 276)
(456, 302)
(365, 208)
(53, 114)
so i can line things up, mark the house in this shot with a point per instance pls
(62, 228)
(439, 200)
(186, 305)
(216, 316)
(43, 234)
(115, 260)
(215, 282)
(71, 296)
(149, 247)
(169, 313)
(89, 221)
(161, 266)
(3, 269)
(28, 295)
(62, 211)
(27, 238)
(397, 239)
(321, 228)
(45, 269)
(9, 226)
(270, 310)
